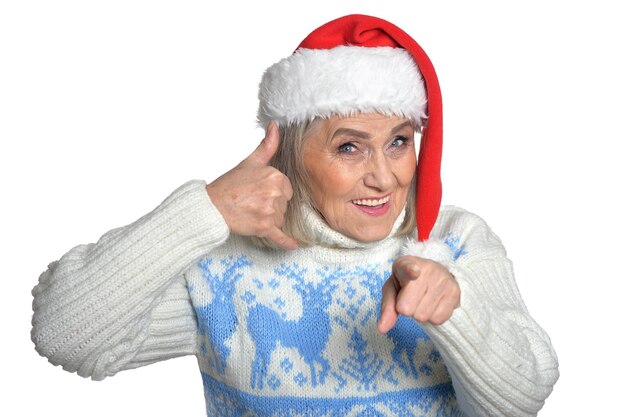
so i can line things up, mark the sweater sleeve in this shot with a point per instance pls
(500, 361)
(123, 302)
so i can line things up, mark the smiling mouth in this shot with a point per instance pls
(372, 202)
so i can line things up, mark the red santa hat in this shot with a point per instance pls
(363, 64)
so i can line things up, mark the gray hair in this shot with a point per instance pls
(289, 159)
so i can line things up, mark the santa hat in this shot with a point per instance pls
(363, 64)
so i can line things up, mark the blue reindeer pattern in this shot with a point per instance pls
(405, 335)
(218, 320)
(336, 306)
(308, 334)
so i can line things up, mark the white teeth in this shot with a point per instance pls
(372, 203)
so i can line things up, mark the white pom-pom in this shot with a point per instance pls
(434, 250)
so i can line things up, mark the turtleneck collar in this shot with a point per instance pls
(323, 235)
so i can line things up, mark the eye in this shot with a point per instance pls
(347, 147)
(399, 141)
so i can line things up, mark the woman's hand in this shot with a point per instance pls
(418, 288)
(252, 197)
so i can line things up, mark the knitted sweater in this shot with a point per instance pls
(293, 333)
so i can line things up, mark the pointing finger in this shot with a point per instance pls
(405, 269)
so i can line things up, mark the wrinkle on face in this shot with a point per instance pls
(348, 159)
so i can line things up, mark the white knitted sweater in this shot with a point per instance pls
(293, 333)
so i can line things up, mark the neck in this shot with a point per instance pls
(321, 234)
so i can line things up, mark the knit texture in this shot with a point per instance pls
(280, 333)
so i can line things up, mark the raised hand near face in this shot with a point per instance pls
(253, 196)
(418, 288)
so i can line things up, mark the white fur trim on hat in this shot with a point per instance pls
(344, 80)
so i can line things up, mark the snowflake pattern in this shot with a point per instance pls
(454, 243)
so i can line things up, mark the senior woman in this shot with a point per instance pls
(298, 278)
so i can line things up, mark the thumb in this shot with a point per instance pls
(388, 314)
(268, 146)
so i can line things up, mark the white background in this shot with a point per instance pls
(106, 107)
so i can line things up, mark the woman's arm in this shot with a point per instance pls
(501, 362)
(122, 302)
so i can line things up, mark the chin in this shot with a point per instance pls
(368, 236)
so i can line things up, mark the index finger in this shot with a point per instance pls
(405, 269)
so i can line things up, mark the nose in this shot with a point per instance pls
(379, 173)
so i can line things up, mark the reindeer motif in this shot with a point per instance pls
(405, 335)
(309, 334)
(218, 319)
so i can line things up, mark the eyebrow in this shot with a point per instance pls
(364, 135)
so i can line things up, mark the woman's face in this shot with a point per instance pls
(360, 169)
